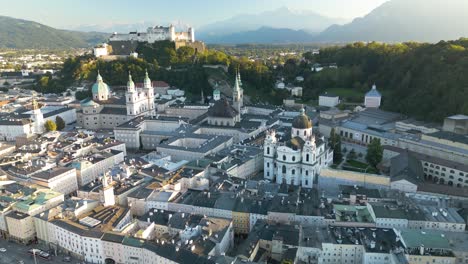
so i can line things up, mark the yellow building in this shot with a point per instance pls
(241, 222)
(20, 227)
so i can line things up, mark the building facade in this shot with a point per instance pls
(298, 160)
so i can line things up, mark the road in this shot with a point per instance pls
(16, 252)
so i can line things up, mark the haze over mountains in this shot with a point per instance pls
(405, 20)
(393, 21)
(307, 21)
(24, 34)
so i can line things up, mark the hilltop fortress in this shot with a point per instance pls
(125, 44)
(157, 33)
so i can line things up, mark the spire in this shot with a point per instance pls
(374, 87)
(147, 81)
(105, 184)
(302, 111)
(99, 77)
(130, 83)
(236, 84)
(35, 105)
(239, 77)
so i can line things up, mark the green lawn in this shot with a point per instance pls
(357, 164)
(354, 165)
(349, 94)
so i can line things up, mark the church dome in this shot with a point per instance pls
(100, 87)
(222, 109)
(302, 121)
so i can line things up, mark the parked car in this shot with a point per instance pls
(2, 249)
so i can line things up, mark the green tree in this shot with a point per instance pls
(60, 123)
(335, 143)
(50, 125)
(352, 155)
(374, 152)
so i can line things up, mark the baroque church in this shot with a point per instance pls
(299, 158)
(104, 111)
(222, 113)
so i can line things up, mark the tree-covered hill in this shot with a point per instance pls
(24, 34)
(425, 81)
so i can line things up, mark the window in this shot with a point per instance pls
(305, 133)
(268, 151)
(307, 173)
(293, 172)
(307, 157)
(297, 133)
(268, 164)
(284, 157)
(293, 158)
(284, 169)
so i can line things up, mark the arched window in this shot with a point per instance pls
(305, 132)
(268, 151)
(297, 132)
(284, 169)
(284, 157)
(268, 164)
(294, 158)
(293, 172)
(307, 157)
(307, 173)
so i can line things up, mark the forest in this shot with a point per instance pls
(424, 81)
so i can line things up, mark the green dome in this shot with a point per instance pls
(216, 91)
(302, 121)
(100, 86)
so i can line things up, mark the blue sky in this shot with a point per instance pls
(68, 13)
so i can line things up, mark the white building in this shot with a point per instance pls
(59, 179)
(101, 50)
(106, 112)
(298, 160)
(329, 100)
(373, 98)
(157, 33)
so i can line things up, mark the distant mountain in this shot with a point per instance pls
(405, 20)
(281, 18)
(24, 34)
(114, 27)
(263, 35)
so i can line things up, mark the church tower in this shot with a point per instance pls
(148, 91)
(132, 97)
(107, 192)
(37, 117)
(238, 94)
(269, 150)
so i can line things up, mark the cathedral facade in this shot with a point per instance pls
(104, 111)
(299, 159)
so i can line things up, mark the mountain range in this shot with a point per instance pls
(307, 21)
(393, 21)
(24, 34)
(405, 20)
